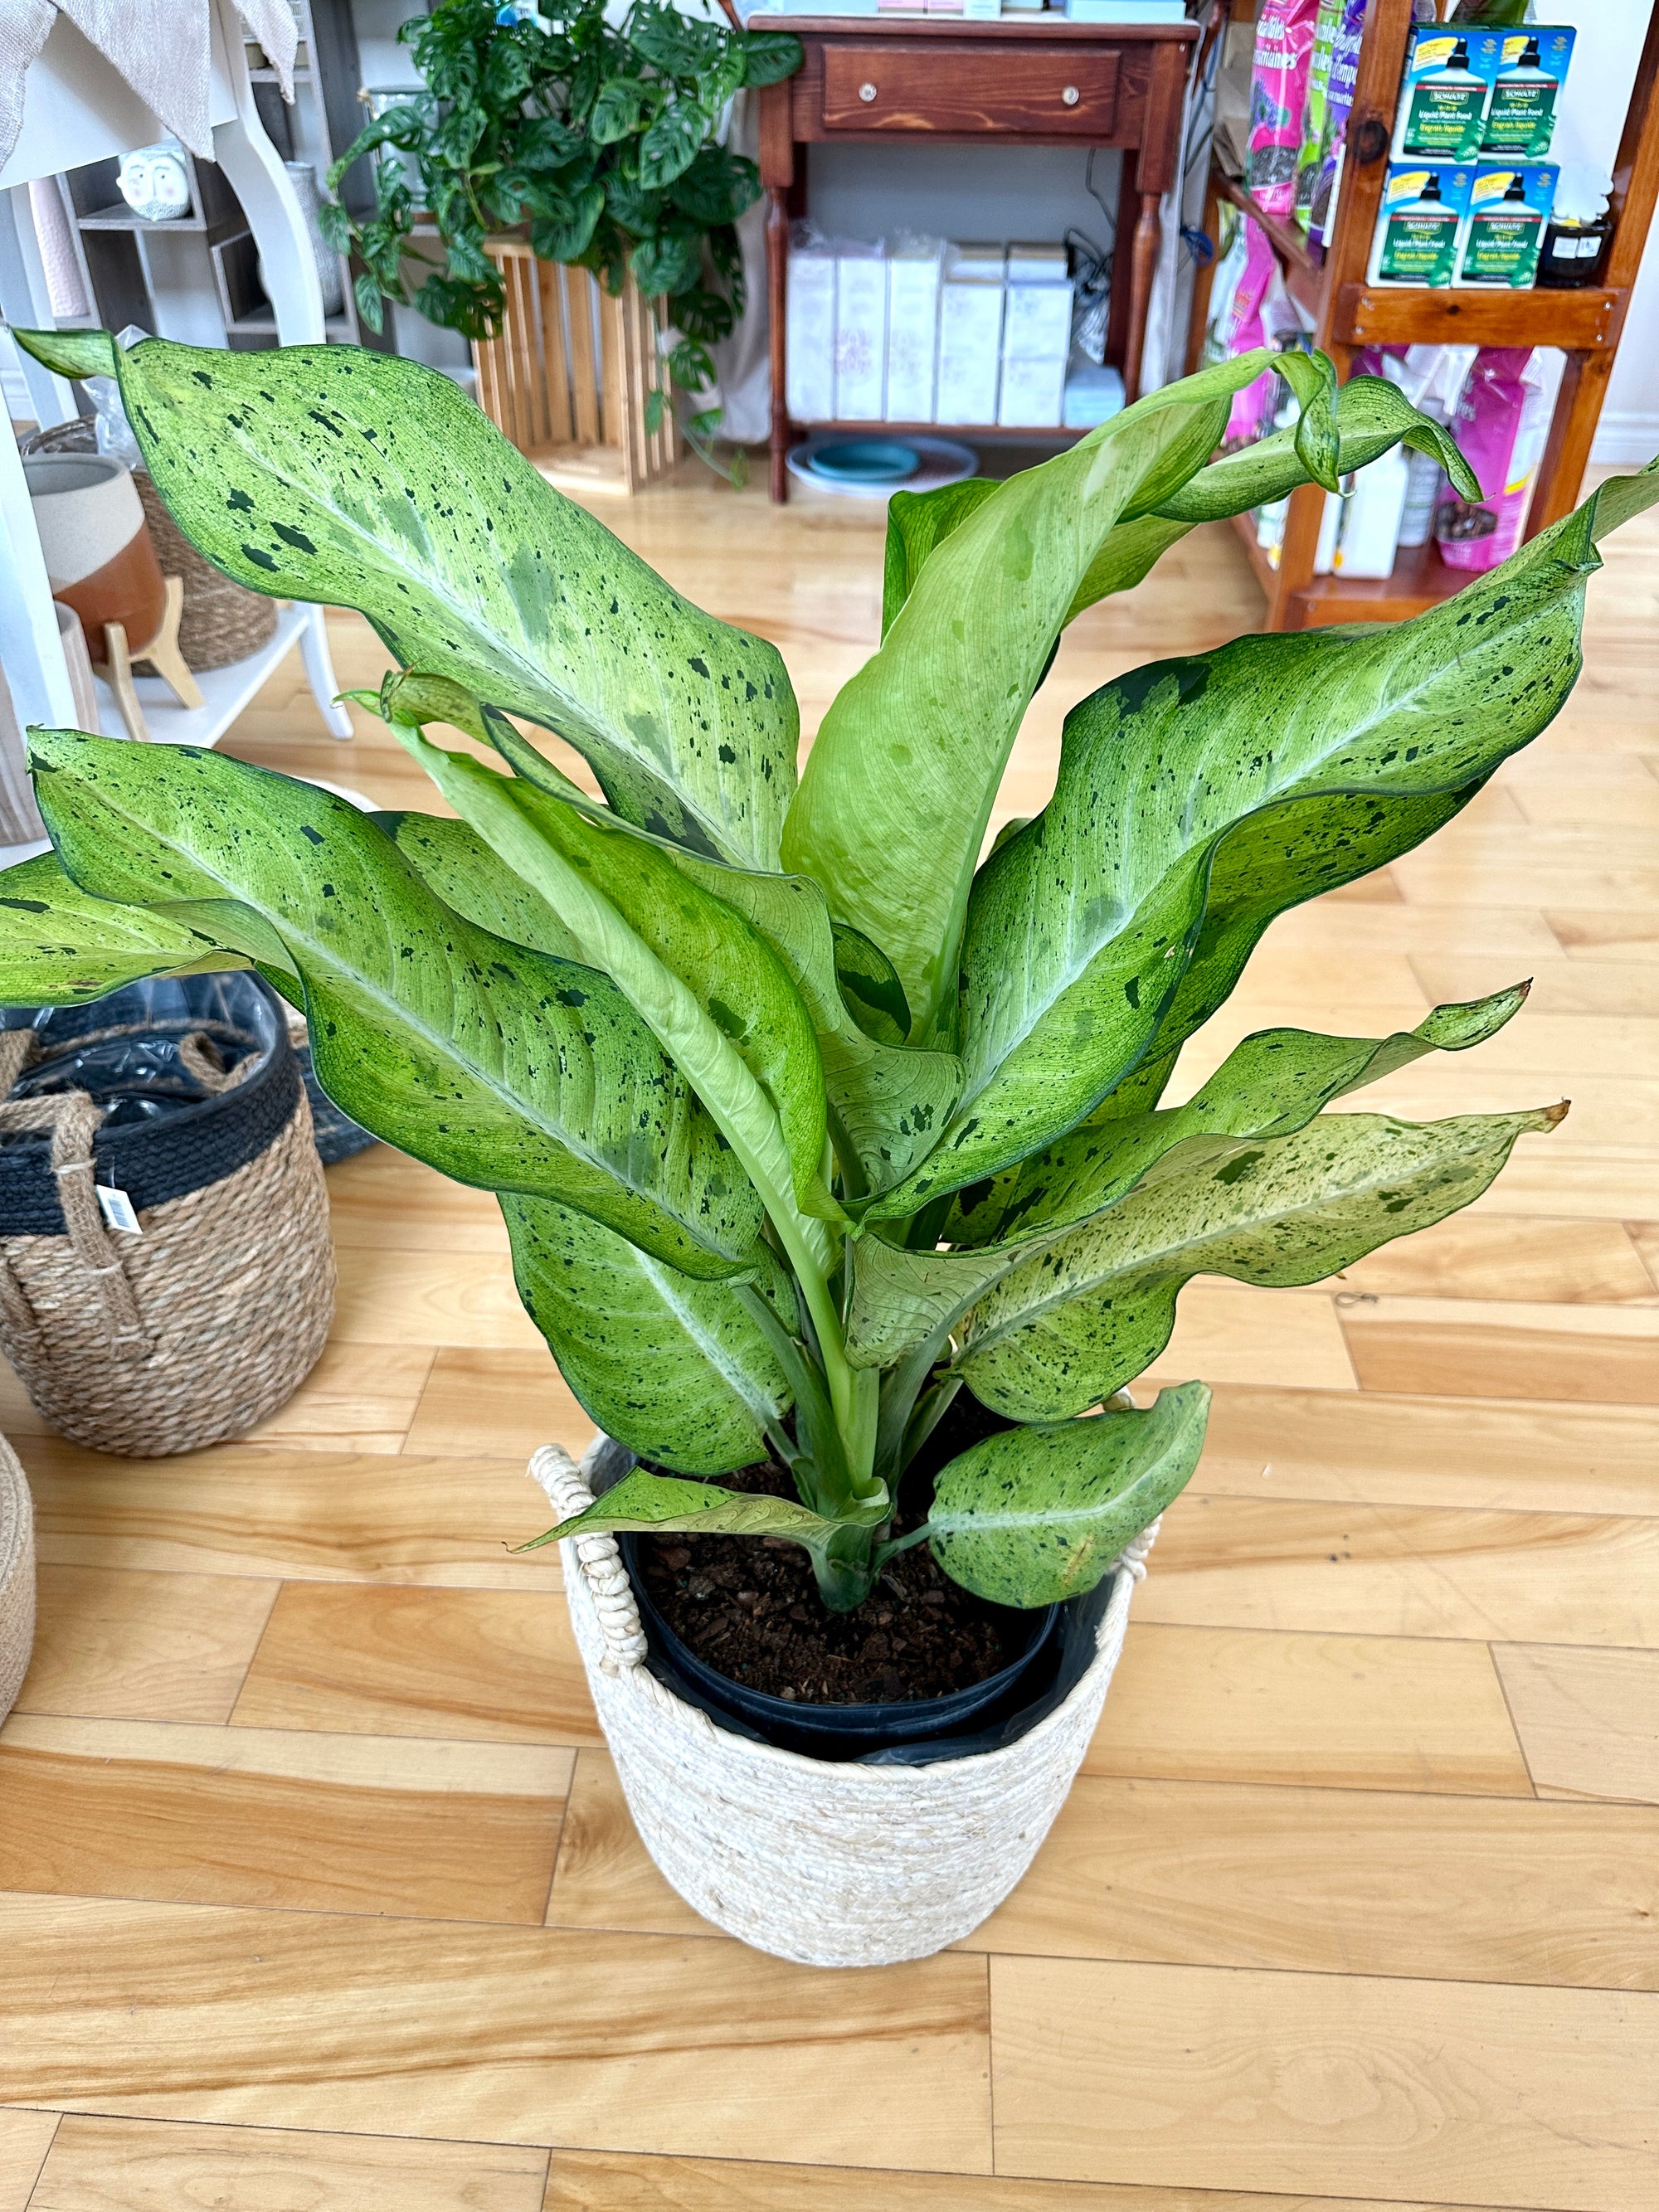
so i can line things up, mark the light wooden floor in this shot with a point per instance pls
(318, 1892)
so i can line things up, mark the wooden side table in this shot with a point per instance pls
(1039, 81)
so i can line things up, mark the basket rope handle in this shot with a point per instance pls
(598, 1558)
(73, 1121)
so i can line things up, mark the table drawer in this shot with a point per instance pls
(968, 90)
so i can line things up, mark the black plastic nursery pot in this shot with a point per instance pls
(852, 1731)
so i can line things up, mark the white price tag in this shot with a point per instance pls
(117, 1210)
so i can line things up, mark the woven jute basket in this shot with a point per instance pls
(16, 1577)
(222, 620)
(827, 1863)
(196, 1329)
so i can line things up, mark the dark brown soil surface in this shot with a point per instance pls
(749, 1606)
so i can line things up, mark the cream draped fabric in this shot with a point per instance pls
(161, 47)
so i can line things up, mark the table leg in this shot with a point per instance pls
(777, 283)
(1143, 262)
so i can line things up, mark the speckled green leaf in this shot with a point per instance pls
(367, 481)
(495, 1063)
(1199, 797)
(779, 1147)
(870, 982)
(1067, 1327)
(1372, 416)
(453, 859)
(737, 979)
(73, 354)
(887, 1103)
(1037, 1515)
(648, 1504)
(1270, 1085)
(898, 788)
(676, 1370)
(60, 945)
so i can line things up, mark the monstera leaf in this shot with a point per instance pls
(1037, 1515)
(367, 481)
(501, 1066)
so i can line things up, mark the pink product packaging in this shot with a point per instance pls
(1501, 421)
(1279, 97)
(1247, 330)
(1339, 105)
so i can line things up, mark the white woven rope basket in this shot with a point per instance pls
(830, 1864)
(16, 1577)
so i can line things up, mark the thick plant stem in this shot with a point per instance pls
(848, 1393)
(846, 1568)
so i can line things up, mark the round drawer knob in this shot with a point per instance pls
(1071, 96)
(866, 92)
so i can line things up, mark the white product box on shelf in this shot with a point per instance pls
(1092, 395)
(810, 331)
(914, 269)
(1126, 11)
(969, 334)
(1036, 264)
(1033, 393)
(1036, 322)
(1037, 338)
(861, 333)
(768, 7)
(1376, 510)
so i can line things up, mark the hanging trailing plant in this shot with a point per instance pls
(599, 138)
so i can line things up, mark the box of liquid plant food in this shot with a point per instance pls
(1526, 91)
(1509, 205)
(1420, 223)
(1444, 92)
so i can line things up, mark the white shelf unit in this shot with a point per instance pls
(301, 133)
(76, 109)
(225, 691)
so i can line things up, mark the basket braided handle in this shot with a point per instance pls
(597, 1556)
(74, 1121)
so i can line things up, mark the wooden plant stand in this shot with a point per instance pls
(567, 378)
(163, 655)
(1349, 313)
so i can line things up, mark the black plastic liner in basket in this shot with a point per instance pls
(1069, 1653)
(166, 1132)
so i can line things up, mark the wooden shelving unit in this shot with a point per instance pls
(1349, 313)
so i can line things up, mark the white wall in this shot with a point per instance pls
(999, 193)
(1605, 55)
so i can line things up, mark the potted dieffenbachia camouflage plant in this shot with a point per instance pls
(832, 1151)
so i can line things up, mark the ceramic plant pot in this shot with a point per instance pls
(100, 560)
(303, 178)
(848, 1862)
